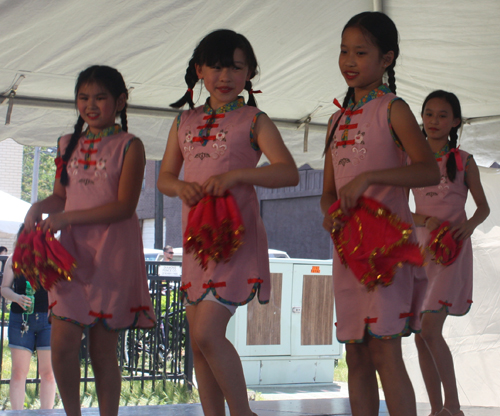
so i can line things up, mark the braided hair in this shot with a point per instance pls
(110, 79)
(382, 31)
(217, 48)
(452, 99)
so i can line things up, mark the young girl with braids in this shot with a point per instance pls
(220, 144)
(98, 182)
(366, 150)
(450, 286)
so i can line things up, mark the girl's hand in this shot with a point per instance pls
(23, 301)
(190, 193)
(331, 225)
(350, 192)
(463, 231)
(432, 223)
(33, 217)
(55, 222)
(217, 185)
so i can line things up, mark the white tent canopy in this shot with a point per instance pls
(12, 213)
(452, 45)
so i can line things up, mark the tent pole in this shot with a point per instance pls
(378, 6)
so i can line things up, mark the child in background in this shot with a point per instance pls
(220, 144)
(27, 333)
(366, 150)
(96, 190)
(450, 286)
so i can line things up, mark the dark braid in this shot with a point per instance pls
(123, 118)
(70, 149)
(452, 99)
(217, 48)
(350, 93)
(191, 79)
(451, 164)
(251, 97)
(391, 78)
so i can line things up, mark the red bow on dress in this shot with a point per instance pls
(443, 247)
(373, 241)
(214, 229)
(41, 259)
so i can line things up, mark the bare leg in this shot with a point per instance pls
(65, 342)
(20, 368)
(430, 375)
(363, 388)
(208, 321)
(388, 360)
(48, 383)
(211, 396)
(108, 379)
(432, 333)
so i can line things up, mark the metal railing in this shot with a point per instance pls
(159, 354)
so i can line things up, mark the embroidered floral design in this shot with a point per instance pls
(359, 155)
(431, 194)
(189, 137)
(221, 135)
(343, 161)
(358, 139)
(202, 156)
(100, 169)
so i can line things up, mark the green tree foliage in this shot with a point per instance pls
(46, 172)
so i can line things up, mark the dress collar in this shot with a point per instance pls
(234, 105)
(104, 133)
(376, 93)
(443, 151)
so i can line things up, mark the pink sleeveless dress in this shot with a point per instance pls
(450, 287)
(109, 282)
(212, 143)
(364, 141)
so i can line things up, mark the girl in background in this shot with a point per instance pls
(220, 144)
(450, 287)
(96, 190)
(28, 333)
(366, 150)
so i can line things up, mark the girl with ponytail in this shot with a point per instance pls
(367, 145)
(449, 291)
(219, 144)
(97, 186)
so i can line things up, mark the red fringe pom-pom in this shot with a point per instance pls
(443, 247)
(41, 259)
(214, 229)
(373, 242)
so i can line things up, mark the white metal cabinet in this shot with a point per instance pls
(291, 339)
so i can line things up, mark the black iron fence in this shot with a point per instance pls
(160, 354)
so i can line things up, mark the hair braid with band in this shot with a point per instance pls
(217, 48)
(350, 93)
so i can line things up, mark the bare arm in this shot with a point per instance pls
(168, 180)
(423, 170)
(129, 190)
(281, 171)
(473, 181)
(7, 282)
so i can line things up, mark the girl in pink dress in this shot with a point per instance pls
(96, 190)
(450, 287)
(365, 155)
(220, 144)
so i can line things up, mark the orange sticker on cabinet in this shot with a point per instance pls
(315, 269)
